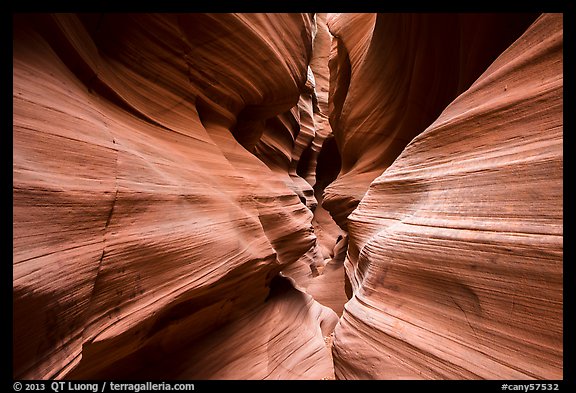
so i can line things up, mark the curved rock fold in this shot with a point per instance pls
(287, 196)
(455, 256)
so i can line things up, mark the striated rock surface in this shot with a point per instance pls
(321, 164)
(253, 346)
(391, 75)
(455, 253)
(142, 220)
(329, 288)
(201, 196)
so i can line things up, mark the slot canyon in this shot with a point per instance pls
(287, 196)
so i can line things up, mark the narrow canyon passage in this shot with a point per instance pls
(287, 196)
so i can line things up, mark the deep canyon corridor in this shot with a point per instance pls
(287, 196)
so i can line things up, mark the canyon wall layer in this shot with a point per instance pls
(143, 222)
(455, 250)
(202, 196)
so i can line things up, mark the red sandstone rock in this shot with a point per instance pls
(259, 344)
(166, 166)
(140, 219)
(455, 254)
(391, 77)
(329, 287)
(323, 147)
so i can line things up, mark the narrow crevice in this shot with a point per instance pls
(320, 165)
(223, 262)
(304, 162)
(328, 165)
(97, 277)
(340, 78)
(331, 287)
(111, 210)
(103, 245)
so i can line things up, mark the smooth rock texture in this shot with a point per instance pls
(321, 164)
(202, 196)
(142, 220)
(253, 346)
(455, 253)
(329, 288)
(391, 75)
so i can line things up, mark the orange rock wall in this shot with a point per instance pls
(455, 252)
(176, 176)
(391, 75)
(141, 220)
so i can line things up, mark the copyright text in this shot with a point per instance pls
(100, 387)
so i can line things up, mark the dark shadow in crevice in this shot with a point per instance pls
(278, 286)
(328, 165)
(340, 78)
(304, 162)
